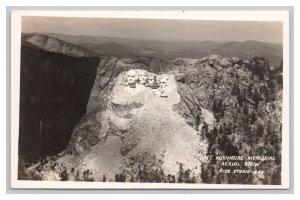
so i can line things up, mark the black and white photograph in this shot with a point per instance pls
(150, 100)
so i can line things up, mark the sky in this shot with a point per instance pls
(158, 29)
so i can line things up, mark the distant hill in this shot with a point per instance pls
(110, 48)
(56, 45)
(172, 49)
(251, 49)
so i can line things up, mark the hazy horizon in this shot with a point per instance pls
(156, 40)
(158, 30)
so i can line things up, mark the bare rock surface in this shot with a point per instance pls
(152, 129)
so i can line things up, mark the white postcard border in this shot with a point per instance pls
(184, 15)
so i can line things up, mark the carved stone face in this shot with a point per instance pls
(151, 79)
(163, 83)
(143, 77)
(131, 77)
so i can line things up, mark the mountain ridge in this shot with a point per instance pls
(56, 45)
(152, 40)
(174, 49)
(126, 47)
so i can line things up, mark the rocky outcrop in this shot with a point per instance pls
(110, 67)
(135, 127)
(198, 83)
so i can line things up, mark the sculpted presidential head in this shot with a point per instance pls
(131, 77)
(143, 77)
(163, 82)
